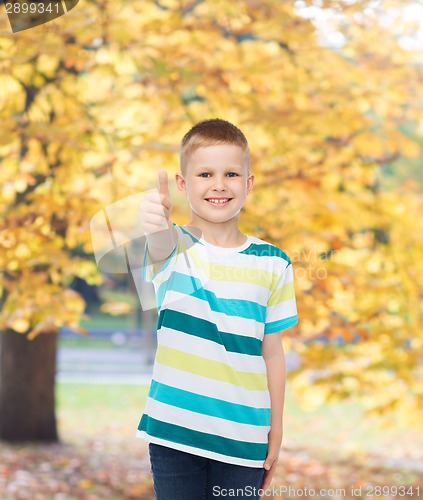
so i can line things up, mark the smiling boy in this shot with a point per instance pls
(215, 174)
(214, 413)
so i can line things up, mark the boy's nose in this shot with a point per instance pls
(219, 185)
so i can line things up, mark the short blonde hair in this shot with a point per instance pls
(210, 133)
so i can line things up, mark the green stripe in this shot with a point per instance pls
(210, 369)
(204, 329)
(266, 250)
(197, 439)
(207, 405)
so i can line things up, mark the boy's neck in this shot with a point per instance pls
(218, 234)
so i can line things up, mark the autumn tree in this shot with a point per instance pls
(99, 99)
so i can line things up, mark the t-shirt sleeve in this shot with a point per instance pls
(281, 312)
(160, 271)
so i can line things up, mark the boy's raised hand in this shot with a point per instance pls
(164, 185)
(156, 207)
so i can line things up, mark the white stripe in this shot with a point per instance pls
(200, 452)
(282, 310)
(205, 423)
(211, 350)
(232, 324)
(209, 387)
(238, 288)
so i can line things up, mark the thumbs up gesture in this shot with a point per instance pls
(155, 220)
(156, 207)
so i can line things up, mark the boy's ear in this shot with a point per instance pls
(180, 183)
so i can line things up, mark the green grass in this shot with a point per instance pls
(98, 319)
(90, 410)
(331, 428)
(86, 341)
(111, 398)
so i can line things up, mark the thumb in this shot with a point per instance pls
(267, 465)
(163, 183)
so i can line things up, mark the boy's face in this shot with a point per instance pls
(216, 172)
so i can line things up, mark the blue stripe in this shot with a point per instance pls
(196, 439)
(282, 324)
(188, 285)
(209, 406)
(191, 325)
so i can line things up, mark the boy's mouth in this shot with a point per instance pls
(218, 202)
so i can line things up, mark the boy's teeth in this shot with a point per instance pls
(218, 201)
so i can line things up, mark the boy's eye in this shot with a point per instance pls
(229, 173)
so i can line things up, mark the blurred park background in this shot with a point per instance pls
(329, 94)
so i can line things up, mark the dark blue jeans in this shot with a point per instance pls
(178, 475)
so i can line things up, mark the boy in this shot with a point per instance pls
(213, 418)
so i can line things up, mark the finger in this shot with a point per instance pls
(156, 203)
(163, 183)
(154, 197)
(153, 208)
(158, 220)
(268, 463)
(267, 479)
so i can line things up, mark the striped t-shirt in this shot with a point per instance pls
(209, 393)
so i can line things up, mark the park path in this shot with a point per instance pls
(112, 365)
(103, 366)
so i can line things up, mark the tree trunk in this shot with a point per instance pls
(27, 376)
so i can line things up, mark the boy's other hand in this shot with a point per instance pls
(274, 446)
(156, 207)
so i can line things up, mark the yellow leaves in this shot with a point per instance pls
(85, 484)
(301, 113)
(73, 302)
(116, 308)
(22, 251)
(408, 148)
(369, 144)
(330, 181)
(46, 326)
(348, 257)
(125, 65)
(12, 265)
(7, 137)
(86, 270)
(373, 264)
(301, 102)
(9, 86)
(41, 309)
(7, 239)
(309, 397)
(47, 64)
(363, 105)
(20, 185)
(11, 96)
(39, 111)
(20, 325)
(23, 72)
(239, 86)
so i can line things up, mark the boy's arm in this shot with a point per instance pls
(160, 248)
(274, 357)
